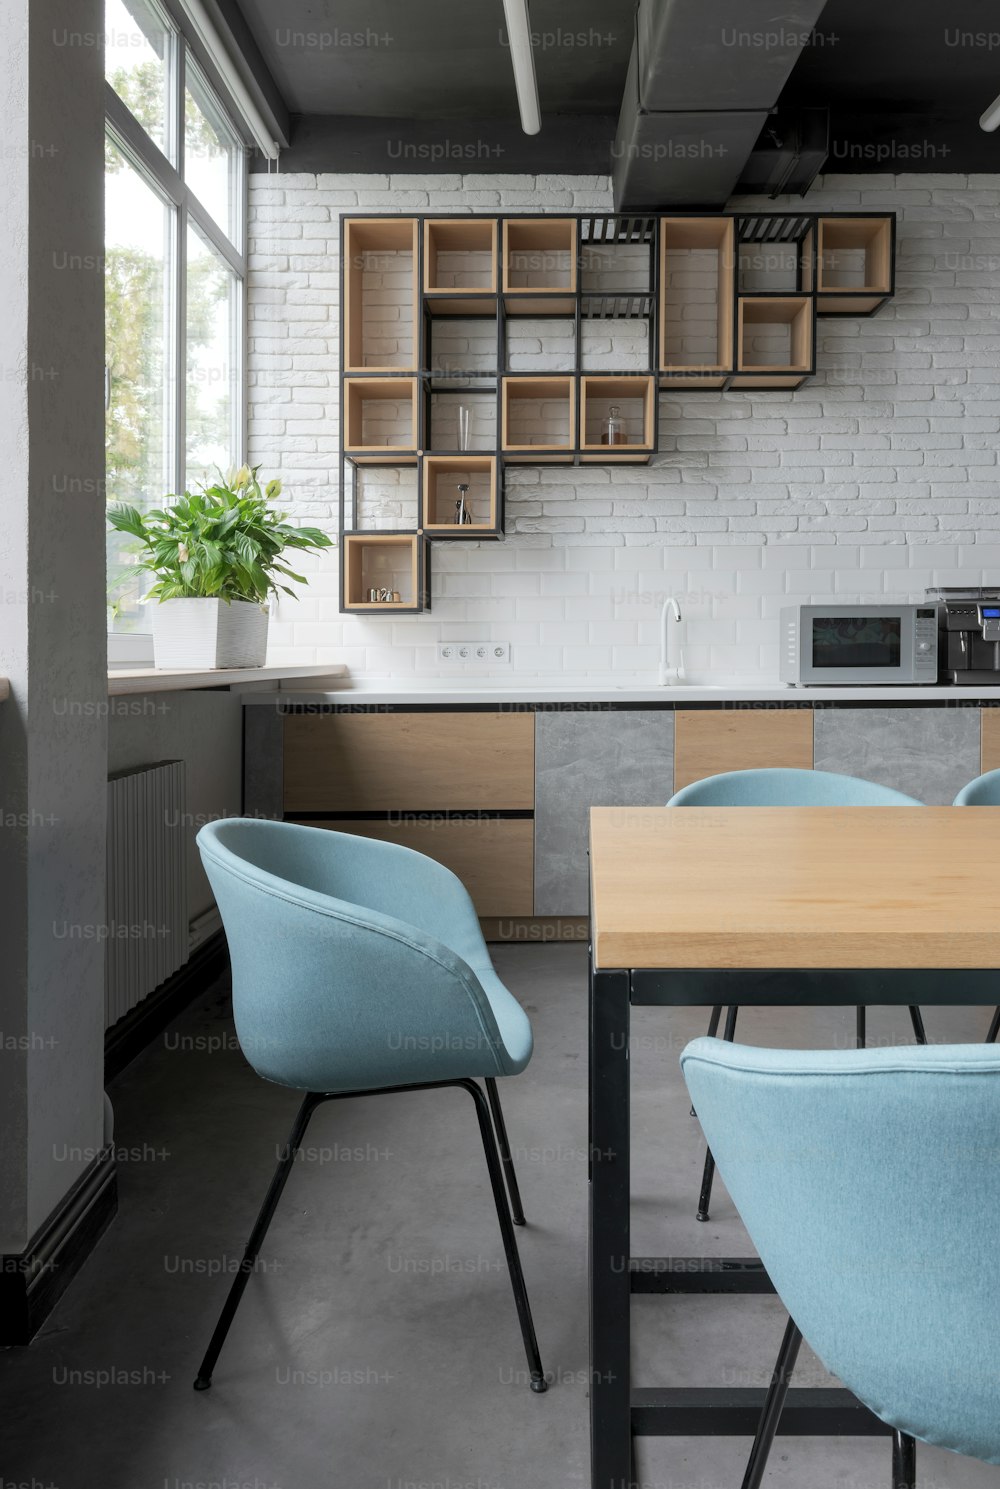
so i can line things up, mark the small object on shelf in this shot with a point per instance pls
(464, 421)
(614, 427)
(463, 517)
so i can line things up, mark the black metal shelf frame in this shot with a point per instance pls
(635, 303)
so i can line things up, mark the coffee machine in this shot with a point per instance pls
(969, 642)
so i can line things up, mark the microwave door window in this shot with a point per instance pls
(856, 641)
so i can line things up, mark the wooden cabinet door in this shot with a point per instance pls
(710, 741)
(409, 762)
(492, 855)
(989, 740)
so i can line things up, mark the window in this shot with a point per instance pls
(213, 156)
(138, 51)
(175, 200)
(211, 425)
(138, 281)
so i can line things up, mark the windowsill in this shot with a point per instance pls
(126, 680)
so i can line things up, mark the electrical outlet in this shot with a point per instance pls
(477, 653)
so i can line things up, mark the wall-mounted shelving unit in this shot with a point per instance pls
(538, 326)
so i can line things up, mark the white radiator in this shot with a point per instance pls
(147, 912)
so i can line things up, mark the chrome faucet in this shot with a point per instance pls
(671, 670)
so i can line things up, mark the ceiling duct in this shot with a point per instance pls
(702, 80)
(789, 154)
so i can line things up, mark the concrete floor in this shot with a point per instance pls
(377, 1348)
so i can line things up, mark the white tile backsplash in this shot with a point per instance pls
(877, 477)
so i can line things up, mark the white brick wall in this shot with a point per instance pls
(877, 477)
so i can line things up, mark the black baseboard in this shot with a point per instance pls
(32, 1281)
(131, 1034)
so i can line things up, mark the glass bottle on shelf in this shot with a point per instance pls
(614, 427)
(463, 517)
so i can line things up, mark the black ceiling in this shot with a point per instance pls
(439, 59)
(905, 81)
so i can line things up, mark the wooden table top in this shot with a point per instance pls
(775, 887)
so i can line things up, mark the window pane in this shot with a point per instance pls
(138, 301)
(213, 319)
(136, 57)
(213, 156)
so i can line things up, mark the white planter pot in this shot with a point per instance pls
(209, 633)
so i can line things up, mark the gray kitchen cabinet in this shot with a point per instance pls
(263, 749)
(929, 753)
(585, 759)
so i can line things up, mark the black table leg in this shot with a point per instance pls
(610, 1281)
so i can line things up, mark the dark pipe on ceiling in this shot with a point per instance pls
(702, 80)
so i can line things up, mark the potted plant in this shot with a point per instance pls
(215, 555)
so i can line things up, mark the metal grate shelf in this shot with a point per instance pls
(764, 228)
(598, 305)
(615, 229)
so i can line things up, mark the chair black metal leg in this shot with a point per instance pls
(994, 1029)
(773, 1403)
(904, 1461)
(708, 1173)
(859, 1028)
(493, 1096)
(267, 1209)
(713, 1029)
(537, 1375)
(917, 1020)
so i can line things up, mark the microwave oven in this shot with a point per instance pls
(824, 644)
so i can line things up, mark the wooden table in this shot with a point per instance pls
(789, 906)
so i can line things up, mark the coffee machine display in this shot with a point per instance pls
(970, 633)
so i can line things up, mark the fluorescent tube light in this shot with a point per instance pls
(222, 59)
(523, 60)
(991, 118)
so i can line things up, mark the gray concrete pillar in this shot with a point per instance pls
(55, 1181)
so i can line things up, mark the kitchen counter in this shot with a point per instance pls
(128, 680)
(447, 693)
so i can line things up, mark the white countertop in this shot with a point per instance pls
(447, 692)
(125, 680)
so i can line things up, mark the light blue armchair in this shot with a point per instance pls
(852, 1172)
(785, 787)
(359, 967)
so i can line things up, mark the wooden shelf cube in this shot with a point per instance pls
(442, 475)
(538, 419)
(381, 306)
(636, 398)
(854, 257)
(381, 417)
(460, 258)
(539, 262)
(775, 334)
(697, 284)
(383, 561)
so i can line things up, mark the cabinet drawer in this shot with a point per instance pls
(990, 739)
(493, 858)
(710, 741)
(417, 762)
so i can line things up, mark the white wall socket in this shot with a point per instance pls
(479, 653)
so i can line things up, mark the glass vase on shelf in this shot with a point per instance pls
(464, 423)
(614, 427)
